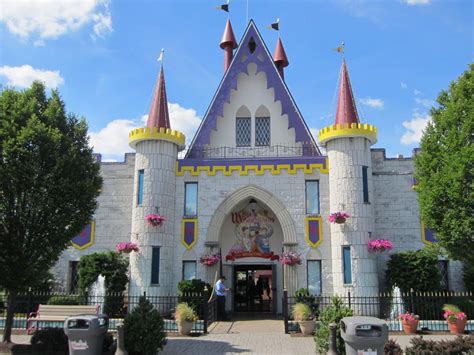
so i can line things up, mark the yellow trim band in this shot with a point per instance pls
(354, 130)
(306, 222)
(146, 133)
(291, 169)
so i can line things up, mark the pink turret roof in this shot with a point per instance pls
(279, 57)
(346, 106)
(159, 115)
(228, 38)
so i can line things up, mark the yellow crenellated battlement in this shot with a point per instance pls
(146, 133)
(353, 130)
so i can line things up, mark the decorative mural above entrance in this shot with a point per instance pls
(253, 230)
(84, 239)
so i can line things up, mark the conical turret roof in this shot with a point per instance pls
(346, 107)
(279, 56)
(159, 115)
(228, 38)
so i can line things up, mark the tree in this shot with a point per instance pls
(49, 182)
(444, 169)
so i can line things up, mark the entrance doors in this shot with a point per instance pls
(254, 288)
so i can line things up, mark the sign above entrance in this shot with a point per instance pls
(253, 230)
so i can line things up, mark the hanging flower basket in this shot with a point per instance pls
(126, 247)
(155, 220)
(338, 217)
(210, 259)
(379, 245)
(290, 258)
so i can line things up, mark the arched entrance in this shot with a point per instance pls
(251, 227)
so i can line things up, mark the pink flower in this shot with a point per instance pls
(379, 245)
(126, 247)
(290, 258)
(338, 217)
(409, 317)
(155, 220)
(210, 259)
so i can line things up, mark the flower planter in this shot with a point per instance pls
(409, 326)
(340, 220)
(307, 327)
(457, 326)
(184, 327)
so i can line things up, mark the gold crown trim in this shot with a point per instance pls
(348, 130)
(146, 133)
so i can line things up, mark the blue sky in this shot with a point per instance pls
(101, 55)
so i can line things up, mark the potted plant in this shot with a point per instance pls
(409, 322)
(456, 319)
(126, 247)
(185, 316)
(302, 314)
(155, 220)
(338, 217)
(379, 245)
(290, 258)
(210, 259)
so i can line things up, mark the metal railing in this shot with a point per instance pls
(279, 150)
(116, 306)
(427, 305)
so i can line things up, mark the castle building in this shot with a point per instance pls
(254, 188)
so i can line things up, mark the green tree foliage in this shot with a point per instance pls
(49, 182)
(113, 267)
(144, 330)
(417, 270)
(331, 314)
(445, 169)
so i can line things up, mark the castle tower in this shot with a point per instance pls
(157, 148)
(350, 189)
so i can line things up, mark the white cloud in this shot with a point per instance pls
(374, 103)
(417, 92)
(424, 102)
(417, 2)
(48, 19)
(414, 128)
(112, 140)
(403, 85)
(23, 76)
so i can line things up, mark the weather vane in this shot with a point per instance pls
(275, 25)
(162, 55)
(340, 49)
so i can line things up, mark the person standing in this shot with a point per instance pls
(221, 293)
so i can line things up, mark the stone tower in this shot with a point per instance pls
(350, 189)
(157, 148)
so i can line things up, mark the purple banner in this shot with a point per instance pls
(85, 238)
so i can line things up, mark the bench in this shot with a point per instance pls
(56, 313)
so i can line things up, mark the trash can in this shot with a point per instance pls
(86, 333)
(364, 335)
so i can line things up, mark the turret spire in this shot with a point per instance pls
(280, 58)
(228, 44)
(346, 106)
(159, 115)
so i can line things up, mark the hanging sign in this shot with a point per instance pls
(84, 239)
(427, 235)
(314, 231)
(189, 232)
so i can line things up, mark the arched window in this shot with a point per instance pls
(262, 127)
(243, 125)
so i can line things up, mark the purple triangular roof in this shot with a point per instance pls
(228, 83)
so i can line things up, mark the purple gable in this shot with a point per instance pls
(262, 58)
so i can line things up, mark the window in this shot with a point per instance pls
(243, 134)
(141, 176)
(190, 199)
(346, 264)
(312, 197)
(365, 183)
(189, 270)
(314, 277)
(443, 270)
(155, 266)
(262, 131)
(73, 276)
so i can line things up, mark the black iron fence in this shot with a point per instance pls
(427, 305)
(116, 306)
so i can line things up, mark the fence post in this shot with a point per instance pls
(285, 310)
(332, 340)
(29, 300)
(412, 301)
(205, 308)
(349, 299)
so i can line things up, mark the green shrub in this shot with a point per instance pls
(144, 329)
(185, 313)
(459, 345)
(65, 300)
(331, 314)
(49, 340)
(468, 276)
(301, 312)
(302, 295)
(191, 291)
(392, 348)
